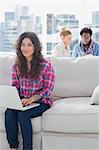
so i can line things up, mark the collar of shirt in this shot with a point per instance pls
(89, 50)
(67, 48)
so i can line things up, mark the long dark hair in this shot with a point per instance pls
(37, 56)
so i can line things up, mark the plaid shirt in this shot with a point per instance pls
(42, 86)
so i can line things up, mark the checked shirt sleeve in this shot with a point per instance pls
(15, 79)
(48, 83)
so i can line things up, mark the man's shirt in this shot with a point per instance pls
(79, 49)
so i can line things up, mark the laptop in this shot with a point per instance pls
(9, 98)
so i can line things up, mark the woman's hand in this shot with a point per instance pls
(27, 101)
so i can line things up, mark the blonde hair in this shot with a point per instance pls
(64, 32)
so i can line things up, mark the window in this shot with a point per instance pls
(45, 18)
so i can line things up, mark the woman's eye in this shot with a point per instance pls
(26, 45)
(22, 45)
(29, 44)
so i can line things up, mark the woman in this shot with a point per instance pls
(63, 49)
(33, 76)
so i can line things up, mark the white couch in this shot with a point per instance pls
(72, 123)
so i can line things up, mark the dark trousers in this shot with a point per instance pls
(13, 117)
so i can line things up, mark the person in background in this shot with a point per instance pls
(33, 76)
(63, 49)
(86, 46)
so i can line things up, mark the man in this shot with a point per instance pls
(86, 46)
(63, 49)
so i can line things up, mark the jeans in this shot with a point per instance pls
(13, 117)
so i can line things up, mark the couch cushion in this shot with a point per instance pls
(36, 122)
(5, 146)
(6, 62)
(72, 115)
(95, 96)
(70, 142)
(75, 77)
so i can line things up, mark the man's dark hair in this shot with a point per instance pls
(86, 30)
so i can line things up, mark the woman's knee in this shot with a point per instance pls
(9, 113)
(21, 116)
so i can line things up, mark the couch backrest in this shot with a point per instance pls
(75, 76)
(5, 69)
